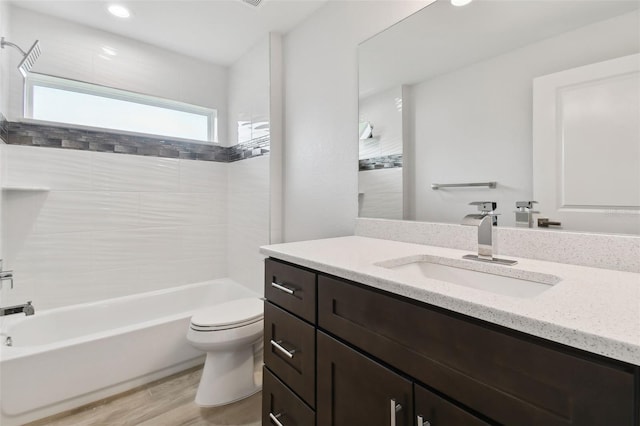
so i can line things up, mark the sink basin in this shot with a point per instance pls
(488, 277)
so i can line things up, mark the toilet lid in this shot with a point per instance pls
(237, 312)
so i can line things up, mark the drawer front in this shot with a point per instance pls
(279, 403)
(291, 288)
(510, 378)
(290, 351)
(436, 411)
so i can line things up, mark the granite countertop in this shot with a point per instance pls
(597, 310)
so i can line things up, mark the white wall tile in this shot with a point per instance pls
(134, 173)
(202, 269)
(53, 254)
(117, 210)
(56, 169)
(204, 242)
(202, 176)
(159, 209)
(66, 211)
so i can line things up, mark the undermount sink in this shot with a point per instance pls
(488, 277)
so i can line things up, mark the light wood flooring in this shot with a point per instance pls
(166, 402)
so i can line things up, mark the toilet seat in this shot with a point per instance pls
(233, 314)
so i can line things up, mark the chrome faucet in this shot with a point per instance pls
(484, 221)
(27, 309)
(5, 275)
(524, 213)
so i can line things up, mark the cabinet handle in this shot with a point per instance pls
(274, 418)
(394, 408)
(423, 422)
(283, 288)
(286, 352)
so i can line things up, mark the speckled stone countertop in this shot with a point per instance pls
(594, 309)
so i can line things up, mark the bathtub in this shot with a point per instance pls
(67, 357)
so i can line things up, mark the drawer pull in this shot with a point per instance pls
(423, 422)
(393, 410)
(283, 288)
(274, 419)
(286, 352)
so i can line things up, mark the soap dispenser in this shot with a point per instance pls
(524, 213)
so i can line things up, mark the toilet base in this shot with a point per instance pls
(227, 377)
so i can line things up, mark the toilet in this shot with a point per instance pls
(228, 333)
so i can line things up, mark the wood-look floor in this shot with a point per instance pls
(166, 402)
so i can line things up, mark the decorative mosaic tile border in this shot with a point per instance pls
(4, 129)
(91, 140)
(384, 162)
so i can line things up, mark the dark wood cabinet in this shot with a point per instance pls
(372, 347)
(354, 390)
(434, 410)
(290, 351)
(504, 375)
(279, 404)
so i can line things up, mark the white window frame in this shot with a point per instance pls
(43, 80)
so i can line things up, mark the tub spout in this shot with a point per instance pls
(27, 309)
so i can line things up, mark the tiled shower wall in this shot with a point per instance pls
(107, 225)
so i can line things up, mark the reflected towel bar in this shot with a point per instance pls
(462, 185)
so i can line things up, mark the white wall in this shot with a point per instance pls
(249, 94)
(110, 224)
(321, 114)
(248, 189)
(74, 51)
(5, 31)
(384, 111)
(248, 199)
(475, 124)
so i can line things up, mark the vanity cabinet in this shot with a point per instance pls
(375, 350)
(289, 385)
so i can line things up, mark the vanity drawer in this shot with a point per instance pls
(292, 288)
(290, 351)
(279, 402)
(512, 378)
(436, 410)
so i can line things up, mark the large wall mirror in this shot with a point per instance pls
(504, 101)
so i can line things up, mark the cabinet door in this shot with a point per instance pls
(355, 390)
(432, 410)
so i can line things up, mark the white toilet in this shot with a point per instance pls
(228, 333)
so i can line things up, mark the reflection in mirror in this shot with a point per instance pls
(473, 102)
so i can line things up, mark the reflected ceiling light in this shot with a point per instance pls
(119, 11)
(109, 50)
(460, 2)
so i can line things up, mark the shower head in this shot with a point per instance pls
(30, 57)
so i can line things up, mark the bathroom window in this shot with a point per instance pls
(60, 100)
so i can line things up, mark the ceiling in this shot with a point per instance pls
(460, 36)
(217, 31)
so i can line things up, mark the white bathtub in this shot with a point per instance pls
(67, 357)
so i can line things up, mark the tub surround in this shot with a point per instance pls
(617, 252)
(592, 309)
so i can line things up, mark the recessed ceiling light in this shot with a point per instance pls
(460, 2)
(119, 11)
